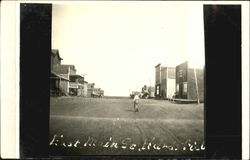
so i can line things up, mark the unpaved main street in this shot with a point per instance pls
(90, 126)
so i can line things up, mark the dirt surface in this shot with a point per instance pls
(109, 126)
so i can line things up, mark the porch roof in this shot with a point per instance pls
(58, 76)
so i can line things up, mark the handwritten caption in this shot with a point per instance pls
(127, 143)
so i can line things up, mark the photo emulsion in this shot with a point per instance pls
(127, 79)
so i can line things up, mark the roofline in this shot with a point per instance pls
(69, 65)
(57, 52)
(76, 75)
(59, 76)
(158, 65)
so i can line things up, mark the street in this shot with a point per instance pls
(109, 126)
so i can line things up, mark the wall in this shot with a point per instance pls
(85, 90)
(158, 74)
(163, 89)
(181, 79)
(170, 87)
(72, 70)
(55, 62)
(157, 80)
(171, 72)
(192, 93)
(64, 86)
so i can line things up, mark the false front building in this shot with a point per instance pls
(189, 83)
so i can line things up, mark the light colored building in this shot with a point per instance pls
(85, 88)
(167, 88)
(164, 82)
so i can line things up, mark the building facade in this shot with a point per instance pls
(157, 81)
(66, 71)
(94, 92)
(167, 88)
(164, 82)
(77, 85)
(58, 82)
(189, 82)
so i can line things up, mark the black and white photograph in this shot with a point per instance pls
(124, 79)
(127, 79)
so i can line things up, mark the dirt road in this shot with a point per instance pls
(90, 126)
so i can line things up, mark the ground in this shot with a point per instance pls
(109, 126)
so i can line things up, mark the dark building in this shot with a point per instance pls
(55, 59)
(58, 82)
(189, 82)
(157, 80)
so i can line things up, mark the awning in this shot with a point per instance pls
(75, 85)
(57, 76)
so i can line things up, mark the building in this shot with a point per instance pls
(147, 92)
(167, 88)
(55, 59)
(94, 92)
(85, 89)
(58, 82)
(78, 85)
(157, 80)
(64, 80)
(151, 91)
(91, 86)
(66, 71)
(164, 82)
(189, 82)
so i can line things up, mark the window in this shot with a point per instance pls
(185, 88)
(158, 90)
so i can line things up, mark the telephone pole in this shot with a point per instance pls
(196, 84)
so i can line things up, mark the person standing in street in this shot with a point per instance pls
(136, 102)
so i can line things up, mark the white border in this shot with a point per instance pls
(10, 119)
(17, 79)
(245, 81)
(9, 116)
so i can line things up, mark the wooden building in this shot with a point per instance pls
(94, 92)
(66, 71)
(164, 81)
(167, 88)
(58, 82)
(189, 82)
(77, 85)
(157, 81)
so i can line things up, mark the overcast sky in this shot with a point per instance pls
(118, 45)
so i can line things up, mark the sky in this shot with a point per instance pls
(117, 45)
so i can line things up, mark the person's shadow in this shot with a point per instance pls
(129, 110)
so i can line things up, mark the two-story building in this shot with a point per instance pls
(164, 81)
(189, 82)
(58, 82)
(78, 86)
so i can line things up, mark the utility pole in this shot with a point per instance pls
(196, 84)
